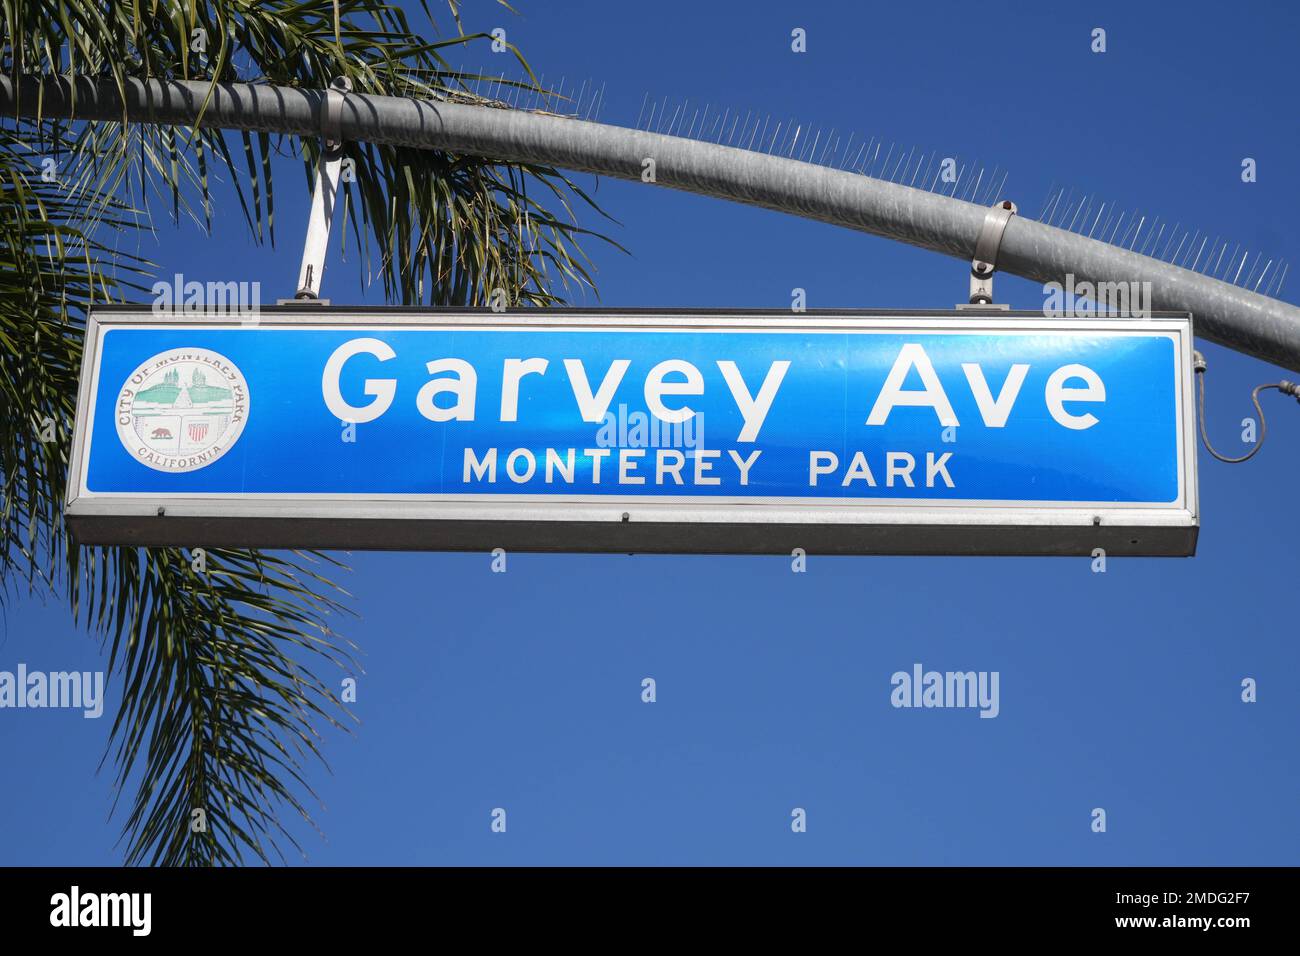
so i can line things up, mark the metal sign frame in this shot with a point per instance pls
(636, 523)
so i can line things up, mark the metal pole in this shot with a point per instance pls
(1246, 321)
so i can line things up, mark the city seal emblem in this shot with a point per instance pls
(182, 409)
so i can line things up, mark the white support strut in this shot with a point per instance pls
(321, 217)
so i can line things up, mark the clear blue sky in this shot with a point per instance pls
(1118, 690)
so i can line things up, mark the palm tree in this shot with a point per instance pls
(223, 697)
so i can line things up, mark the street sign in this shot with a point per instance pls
(603, 430)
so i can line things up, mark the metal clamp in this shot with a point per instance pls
(331, 121)
(985, 262)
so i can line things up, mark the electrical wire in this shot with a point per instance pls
(1285, 387)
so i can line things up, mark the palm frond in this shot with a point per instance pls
(222, 696)
(219, 700)
(427, 223)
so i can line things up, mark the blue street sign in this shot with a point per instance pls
(661, 420)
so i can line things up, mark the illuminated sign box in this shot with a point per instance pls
(663, 431)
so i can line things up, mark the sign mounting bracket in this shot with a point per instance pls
(985, 261)
(328, 170)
